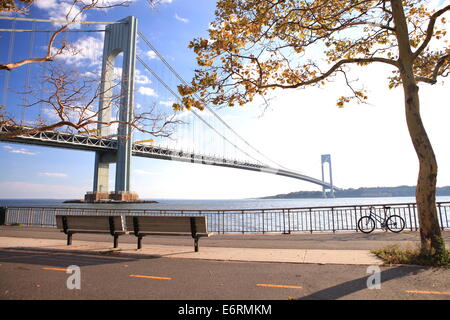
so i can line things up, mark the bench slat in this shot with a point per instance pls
(92, 223)
(167, 224)
(159, 233)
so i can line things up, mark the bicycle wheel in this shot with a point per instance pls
(395, 223)
(366, 224)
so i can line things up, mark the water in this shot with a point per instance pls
(226, 221)
(185, 204)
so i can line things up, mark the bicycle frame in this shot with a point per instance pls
(391, 222)
(377, 217)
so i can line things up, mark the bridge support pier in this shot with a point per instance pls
(119, 38)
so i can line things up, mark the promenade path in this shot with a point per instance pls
(324, 248)
(34, 261)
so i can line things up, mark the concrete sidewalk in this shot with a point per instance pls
(321, 248)
(317, 256)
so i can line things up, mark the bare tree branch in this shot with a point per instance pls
(73, 101)
(79, 5)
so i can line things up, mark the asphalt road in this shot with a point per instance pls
(28, 274)
(31, 274)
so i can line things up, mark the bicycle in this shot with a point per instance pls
(393, 223)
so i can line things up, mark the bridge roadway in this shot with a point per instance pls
(57, 139)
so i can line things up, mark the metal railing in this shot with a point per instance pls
(280, 220)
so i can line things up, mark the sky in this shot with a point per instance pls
(369, 143)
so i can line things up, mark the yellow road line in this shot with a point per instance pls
(149, 277)
(277, 286)
(428, 292)
(54, 269)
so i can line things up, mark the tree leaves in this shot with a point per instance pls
(255, 46)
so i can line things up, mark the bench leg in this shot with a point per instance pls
(116, 241)
(69, 239)
(139, 245)
(196, 244)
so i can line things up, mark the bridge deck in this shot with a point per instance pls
(57, 139)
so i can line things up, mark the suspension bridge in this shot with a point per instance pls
(193, 136)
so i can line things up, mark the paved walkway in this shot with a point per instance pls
(352, 257)
(320, 248)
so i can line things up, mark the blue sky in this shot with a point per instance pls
(369, 144)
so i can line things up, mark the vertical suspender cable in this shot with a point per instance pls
(207, 107)
(28, 71)
(8, 74)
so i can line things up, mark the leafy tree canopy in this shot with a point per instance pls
(258, 45)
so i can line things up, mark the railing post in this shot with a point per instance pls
(30, 211)
(54, 218)
(440, 216)
(410, 218)
(289, 220)
(310, 220)
(223, 222)
(263, 221)
(3, 214)
(332, 219)
(415, 219)
(242, 221)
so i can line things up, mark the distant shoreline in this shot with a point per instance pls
(372, 192)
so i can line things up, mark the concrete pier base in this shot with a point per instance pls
(126, 196)
(121, 196)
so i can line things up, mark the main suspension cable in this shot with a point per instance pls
(192, 110)
(209, 109)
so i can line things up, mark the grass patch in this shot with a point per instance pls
(398, 255)
(15, 224)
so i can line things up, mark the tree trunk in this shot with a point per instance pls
(430, 232)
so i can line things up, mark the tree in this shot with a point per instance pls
(74, 13)
(255, 46)
(20, 6)
(73, 98)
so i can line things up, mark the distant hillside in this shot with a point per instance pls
(401, 191)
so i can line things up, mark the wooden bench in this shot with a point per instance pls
(141, 226)
(91, 224)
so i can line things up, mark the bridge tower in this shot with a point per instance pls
(119, 38)
(326, 159)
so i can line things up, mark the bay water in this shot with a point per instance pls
(218, 204)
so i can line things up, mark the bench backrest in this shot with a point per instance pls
(169, 224)
(90, 223)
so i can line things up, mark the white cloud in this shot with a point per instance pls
(53, 174)
(181, 19)
(61, 11)
(45, 4)
(50, 114)
(146, 91)
(141, 78)
(156, 2)
(86, 51)
(167, 103)
(19, 151)
(151, 54)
